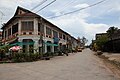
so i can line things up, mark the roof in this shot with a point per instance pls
(16, 15)
(29, 14)
(101, 34)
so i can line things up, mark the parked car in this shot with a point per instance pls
(79, 50)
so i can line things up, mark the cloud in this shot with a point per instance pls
(76, 25)
(81, 6)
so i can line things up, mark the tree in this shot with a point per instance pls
(111, 31)
(84, 41)
(101, 42)
(79, 42)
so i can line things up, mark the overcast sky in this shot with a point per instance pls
(86, 22)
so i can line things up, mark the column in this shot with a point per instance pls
(11, 30)
(52, 34)
(35, 26)
(52, 48)
(19, 27)
(20, 40)
(45, 46)
(45, 29)
(4, 33)
(36, 46)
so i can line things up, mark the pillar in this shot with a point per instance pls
(52, 48)
(45, 29)
(11, 30)
(35, 26)
(45, 47)
(19, 27)
(36, 45)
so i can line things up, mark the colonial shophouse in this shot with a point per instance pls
(30, 30)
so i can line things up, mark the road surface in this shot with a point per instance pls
(79, 66)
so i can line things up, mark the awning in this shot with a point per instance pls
(22, 43)
(51, 44)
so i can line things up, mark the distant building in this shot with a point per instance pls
(100, 35)
(30, 30)
(113, 45)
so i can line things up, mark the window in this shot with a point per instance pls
(63, 36)
(48, 31)
(60, 35)
(24, 33)
(40, 27)
(15, 28)
(30, 33)
(9, 31)
(27, 26)
(55, 34)
(5, 34)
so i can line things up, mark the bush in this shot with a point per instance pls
(18, 57)
(99, 53)
(60, 53)
(2, 54)
(69, 50)
(25, 57)
(56, 53)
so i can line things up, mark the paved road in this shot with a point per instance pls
(79, 66)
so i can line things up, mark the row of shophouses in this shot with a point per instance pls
(29, 30)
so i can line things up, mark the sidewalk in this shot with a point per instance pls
(112, 56)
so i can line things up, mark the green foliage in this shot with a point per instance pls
(48, 54)
(60, 53)
(84, 40)
(5, 48)
(25, 57)
(111, 31)
(69, 50)
(3, 51)
(101, 41)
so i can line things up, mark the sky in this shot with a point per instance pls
(87, 22)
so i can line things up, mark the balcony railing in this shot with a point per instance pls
(13, 36)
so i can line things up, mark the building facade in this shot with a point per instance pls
(31, 31)
(113, 45)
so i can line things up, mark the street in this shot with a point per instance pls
(78, 66)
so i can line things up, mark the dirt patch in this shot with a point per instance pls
(112, 65)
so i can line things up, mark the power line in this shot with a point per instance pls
(77, 10)
(39, 4)
(66, 5)
(46, 6)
